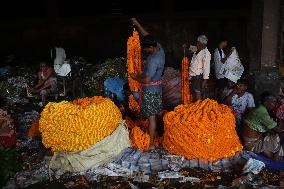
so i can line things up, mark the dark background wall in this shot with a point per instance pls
(28, 28)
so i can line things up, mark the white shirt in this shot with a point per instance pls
(241, 104)
(60, 68)
(200, 64)
(218, 63)
(60, 55)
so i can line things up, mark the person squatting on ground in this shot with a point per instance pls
(260, 132)
(150, 79)
(47, 82)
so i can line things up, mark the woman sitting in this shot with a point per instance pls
(47, 82)
(260, 131)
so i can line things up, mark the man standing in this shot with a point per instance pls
(219, 56)
(199, 69)
(150, 79)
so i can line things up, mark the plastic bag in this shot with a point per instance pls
(253, 166)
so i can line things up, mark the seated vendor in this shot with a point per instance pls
(240, 101)
(260, 131)
(47, 82)
(226, 91)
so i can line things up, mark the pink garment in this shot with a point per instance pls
(280, 112)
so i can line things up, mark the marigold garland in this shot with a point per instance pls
(134, 105)
(185, 91)
(134, 61)
(204, 129)
(139, 139)
(34, 130)
(139, 135)
(77, 125)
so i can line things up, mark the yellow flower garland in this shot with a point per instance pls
(204, 129)
(77, 125)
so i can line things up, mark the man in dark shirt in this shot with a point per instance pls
(150, 79)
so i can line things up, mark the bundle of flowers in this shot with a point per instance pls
(185, 93)
(77, 125)
(134, 61)
(139, 136)
(134, 65)
(134, 105)
(204, 129)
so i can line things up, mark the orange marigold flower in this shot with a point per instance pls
(204, 129)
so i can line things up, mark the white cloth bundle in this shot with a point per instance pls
(232, 68)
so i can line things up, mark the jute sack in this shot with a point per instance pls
(98, 154)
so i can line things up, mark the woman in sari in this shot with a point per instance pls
(260, 133)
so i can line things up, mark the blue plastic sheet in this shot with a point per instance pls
(150, 162)
(114, 88)
(269, 163)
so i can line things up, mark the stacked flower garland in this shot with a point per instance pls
(204, 129)
(134, 64)
(139, 139)
(73, 126)
(185, 93)
(139, 135)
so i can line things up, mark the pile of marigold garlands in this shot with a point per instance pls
(134, 65)
(204, 129)
(139, 135)
(77, 125)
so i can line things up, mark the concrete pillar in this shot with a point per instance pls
(270, 29)
(265, 69)
(254, 35)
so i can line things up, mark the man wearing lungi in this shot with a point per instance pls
(150, 79)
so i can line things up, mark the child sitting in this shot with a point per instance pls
(240, 101)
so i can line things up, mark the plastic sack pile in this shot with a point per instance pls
(204, 129)
(77, 125)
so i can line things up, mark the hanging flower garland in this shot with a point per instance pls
(134, 63)
(134, 105)
(185, 91)
(77, 125)
(204, 129)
